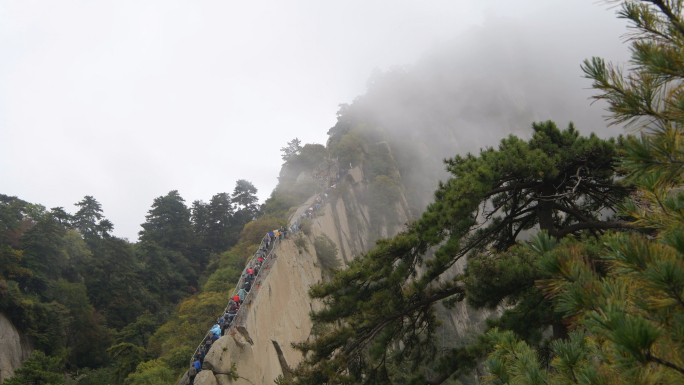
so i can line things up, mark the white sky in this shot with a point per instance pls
(127, 100)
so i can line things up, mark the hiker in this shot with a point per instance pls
(249, 277)
(248, 286)
(207, 346)
(216, 331)
(200, 356)
(232, 306)
(192, 372)
(242, 294)
(237, 299)
(256, 269)
(250, 272)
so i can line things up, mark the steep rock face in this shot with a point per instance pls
(349, 220)
(14, 348)
(280, 312)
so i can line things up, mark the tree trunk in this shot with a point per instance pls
(560, 331)
(545, 209)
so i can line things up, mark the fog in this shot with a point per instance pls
(126, 101)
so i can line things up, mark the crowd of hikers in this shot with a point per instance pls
(311, 211)
(244, 287)
(248, 279)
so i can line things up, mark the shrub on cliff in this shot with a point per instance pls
(326, 251)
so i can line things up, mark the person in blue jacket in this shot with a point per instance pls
(216, 331)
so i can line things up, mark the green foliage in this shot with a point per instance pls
(153, 372)
(177, 359)
(233, 374)
(138, 332)
(112, 281)
(306, 226)
(301, 243)
(384, 194)
(89, 220)
(42, 252)
(292, 149)
(381, 310)
(222, 280)
(38, 369)
(195, 316)
(515, 362)
(82, 329)
(128, 357)
(326, 251)
(75, 290)
(310, 156)
(100, 376)
(168, 223)
(33, 317)
(349, 150)
(379, 162)
(625, 300)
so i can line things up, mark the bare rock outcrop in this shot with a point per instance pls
(205, 377)
(14, 348)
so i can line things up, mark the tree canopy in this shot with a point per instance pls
(93, 300)
(558, 181)
(293, 148)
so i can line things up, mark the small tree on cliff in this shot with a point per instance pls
(293, 148)
(381, 309)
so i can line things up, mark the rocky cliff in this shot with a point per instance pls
(14, 348)
(278, 315)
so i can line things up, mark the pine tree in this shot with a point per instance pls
(632, 312)
(381, 310)
(293, 148)
(89, 220)
(168, 223)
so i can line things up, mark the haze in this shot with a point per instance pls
(126, 101)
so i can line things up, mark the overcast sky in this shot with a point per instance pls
(127, 100)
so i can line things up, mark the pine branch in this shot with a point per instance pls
(515, 186)
(425, 302)
(592, 225)
(664, 8)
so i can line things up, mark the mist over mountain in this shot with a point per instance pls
(469, 93)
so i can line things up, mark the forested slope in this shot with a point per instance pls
(91, 301)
